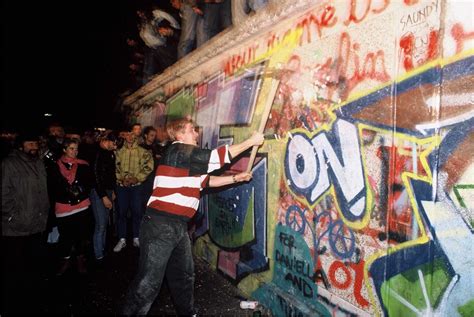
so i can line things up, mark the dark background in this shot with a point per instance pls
(67, 58)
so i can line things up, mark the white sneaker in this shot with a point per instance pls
(120, 245)
(136, 242)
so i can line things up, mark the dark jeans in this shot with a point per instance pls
(191, 30)
(129, 197)
(101, 217)
(165, 250)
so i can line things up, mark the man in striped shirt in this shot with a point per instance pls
(166, 248)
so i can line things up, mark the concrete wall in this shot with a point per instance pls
(362, 202)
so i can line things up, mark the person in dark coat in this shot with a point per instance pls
(103, 195)
(25, 208)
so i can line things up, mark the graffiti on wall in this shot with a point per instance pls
(403, 257)
(372, 145)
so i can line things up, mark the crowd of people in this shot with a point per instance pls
(168, 33)
(61, 188)
(67, 189)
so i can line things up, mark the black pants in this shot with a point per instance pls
(165, 249)
(158, 59)
(23, 264)
(74, 230)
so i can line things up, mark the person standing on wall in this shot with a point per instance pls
(156, 56)
(191, 19)
(182, 174)
(215, 18)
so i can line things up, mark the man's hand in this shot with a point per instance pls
(242, 177)
(256, 138)
(133, 180)
(129, 180)
(126, 182)
(107, 202)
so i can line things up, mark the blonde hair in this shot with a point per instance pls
(176, 126)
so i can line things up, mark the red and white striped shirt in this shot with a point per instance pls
(180, 177)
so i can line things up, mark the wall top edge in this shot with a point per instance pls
(227, 39)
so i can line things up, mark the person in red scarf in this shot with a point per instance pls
(72, 185)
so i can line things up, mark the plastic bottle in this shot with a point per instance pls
(245, 304)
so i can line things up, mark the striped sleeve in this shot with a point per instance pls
(204, 181)
(219, 157)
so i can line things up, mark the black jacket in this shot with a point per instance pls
(187, 156)
(76, 192)
(25, 201)
(104, 172)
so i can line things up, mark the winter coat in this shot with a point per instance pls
(25, 201)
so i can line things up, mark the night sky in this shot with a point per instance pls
(67, 58)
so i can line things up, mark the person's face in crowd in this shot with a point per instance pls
(43, 142)
(123, 134)
(130, 137)
(109, 145)
(71, 151)
(31, 148)
(57, 132)
(176, 4)
(88, 138)
(141, 14)
(150, 137)
(188, 135)
(131, 42)
(137, 130)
